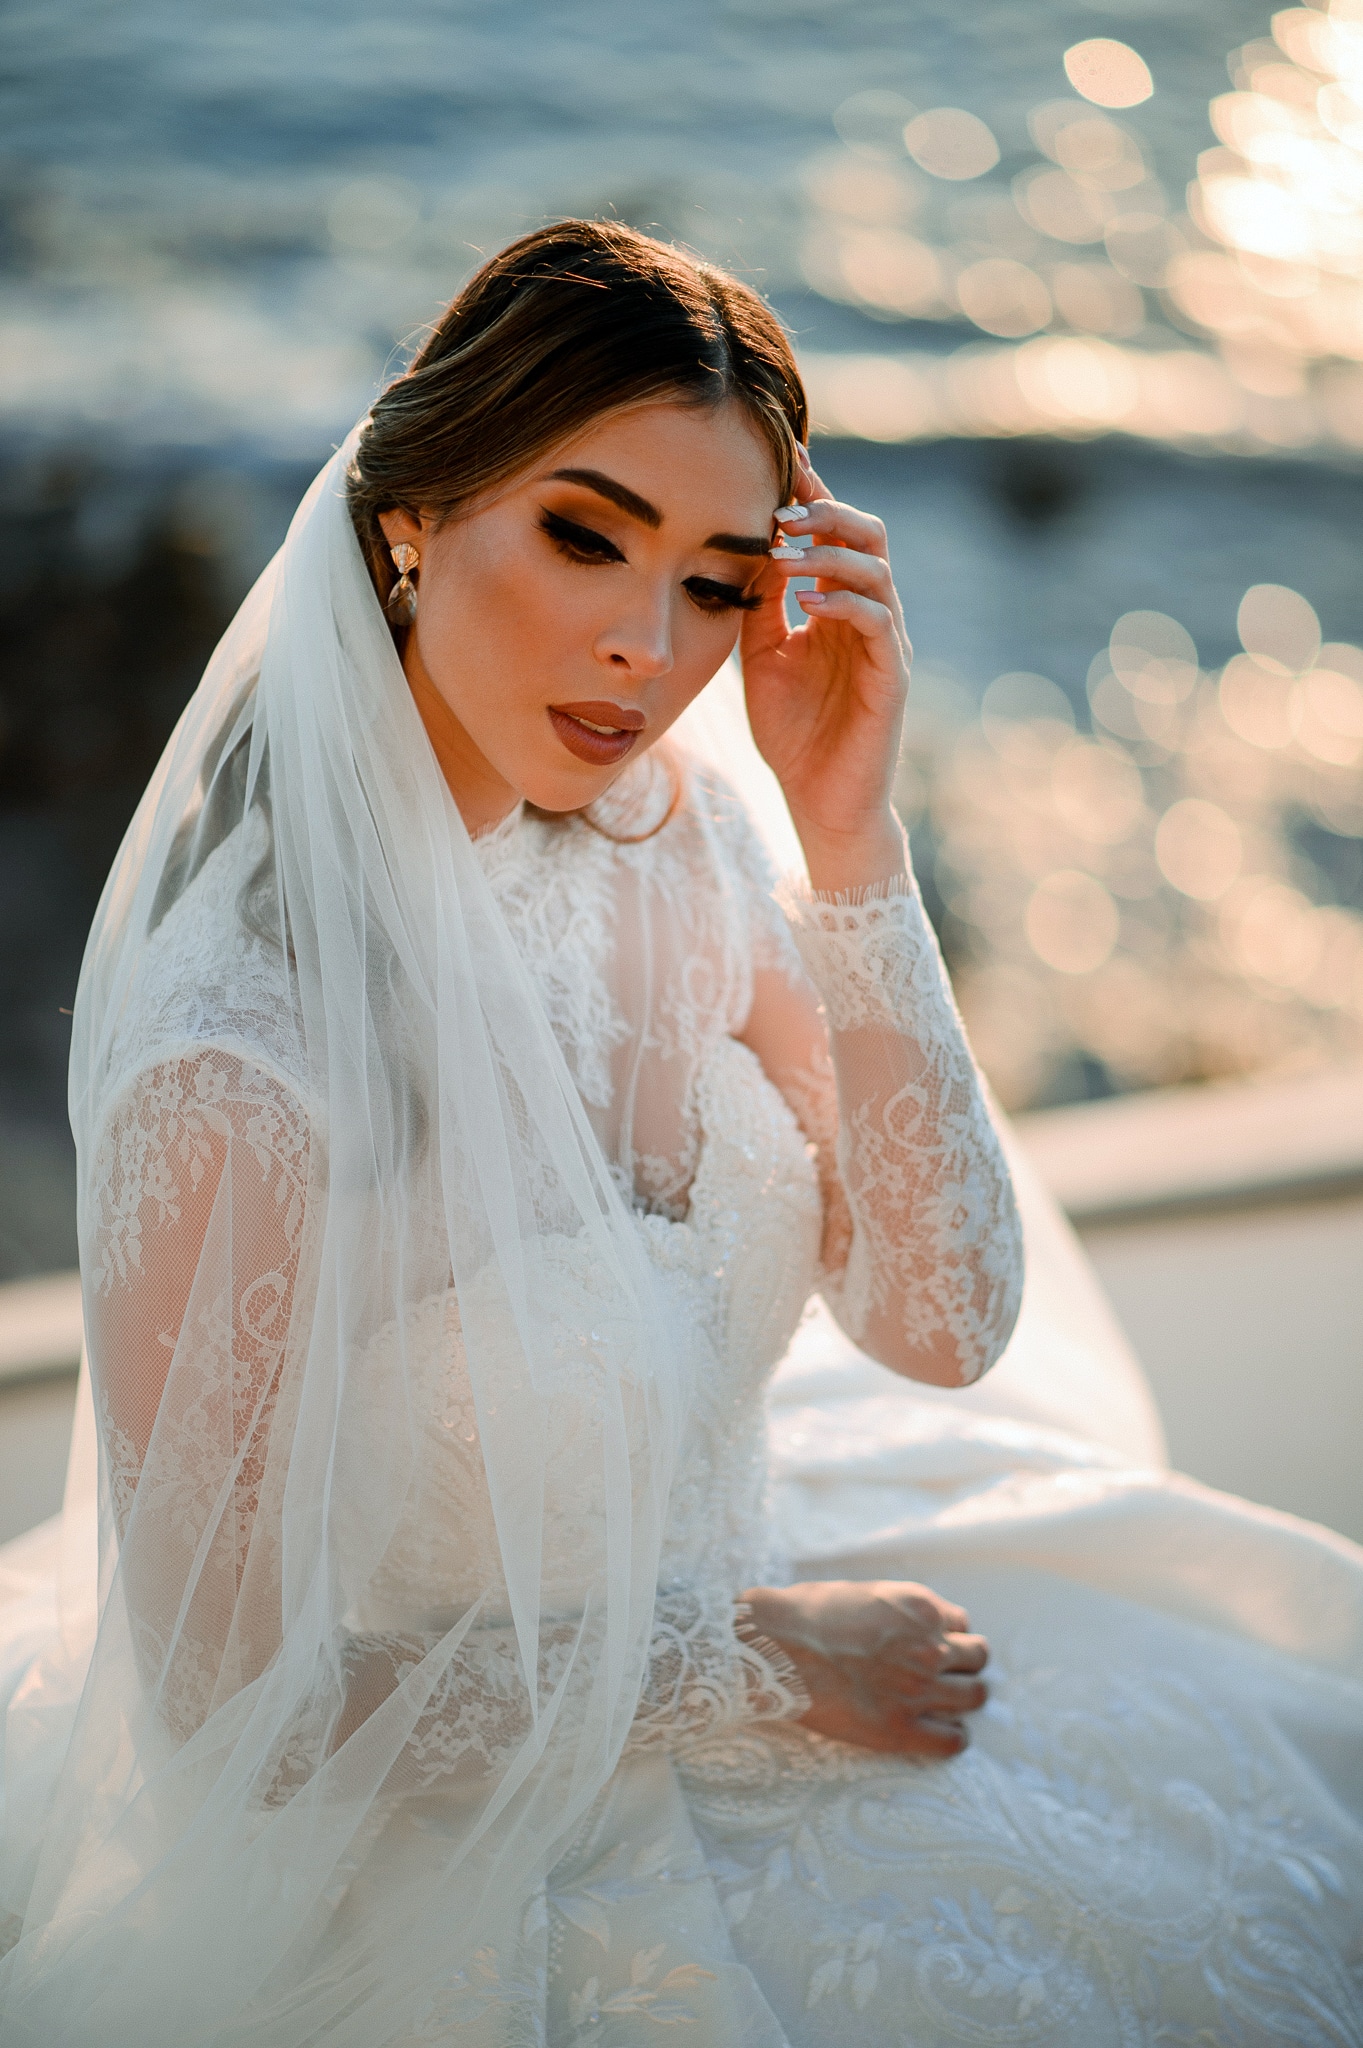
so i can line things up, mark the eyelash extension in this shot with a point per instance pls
(722, 597)
(580, 544)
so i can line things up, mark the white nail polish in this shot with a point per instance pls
(784, 512)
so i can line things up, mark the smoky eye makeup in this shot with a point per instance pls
(712, 596)
(579, 543)
(583, 544)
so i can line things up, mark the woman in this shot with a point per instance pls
(463, 1129)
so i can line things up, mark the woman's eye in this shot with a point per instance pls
(579, 543)
(584, 544)
(719, 597)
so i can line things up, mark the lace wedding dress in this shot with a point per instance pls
(449, 1215)
(1157, 1835)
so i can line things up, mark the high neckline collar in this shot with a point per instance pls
(495, 839)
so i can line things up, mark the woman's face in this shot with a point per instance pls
(563, 625)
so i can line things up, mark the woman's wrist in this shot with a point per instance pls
(861, 858)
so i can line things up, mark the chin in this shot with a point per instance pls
(551, 789)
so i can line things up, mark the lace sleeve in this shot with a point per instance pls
(193, 1261)
(708, 1668)
(930, 1279)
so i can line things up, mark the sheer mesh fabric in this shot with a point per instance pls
(203, 1181)
(445, 1212)
(442, 1218)
(932, 1267)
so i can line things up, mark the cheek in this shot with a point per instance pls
(479, 613)
(700, 648)
(701, 642)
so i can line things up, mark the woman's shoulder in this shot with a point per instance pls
(716, 853)
(210, 980)
(723, 833)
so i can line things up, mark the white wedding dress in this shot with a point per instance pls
(1157, 1833)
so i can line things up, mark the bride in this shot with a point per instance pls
(449, 1636)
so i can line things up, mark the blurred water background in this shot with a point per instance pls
(1079, 291)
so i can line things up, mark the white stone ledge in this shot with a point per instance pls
(40, 1328)
(1223, 1146)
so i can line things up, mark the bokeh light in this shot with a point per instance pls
(950, 143)
(1071, 922)
(1277, 625)
(1198, 848)
(1140, 895)
(1239, 322)
(1153, 656)
(872, 123)
(1003, 297)
(1109, 73)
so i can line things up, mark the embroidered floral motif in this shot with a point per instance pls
(1118, 1859)
(935, 1245)
(1057, 1886)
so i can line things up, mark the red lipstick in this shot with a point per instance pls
(598, 732)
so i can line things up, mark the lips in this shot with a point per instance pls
(597, 732)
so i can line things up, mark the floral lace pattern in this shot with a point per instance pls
(1121, 1859)
(192, 1129)
(715, 1158)
(1117, 1860)
(935, 1250)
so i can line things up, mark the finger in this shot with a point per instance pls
(931, 1692)
(933, 1737)
(830, 521)
(840, 568)
(965, 1653)
(927, 1655)
(952, 1694)
(845, 568)
(809, 484)
(875, 622)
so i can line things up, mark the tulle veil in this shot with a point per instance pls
(190, 1778)
(206, 1811)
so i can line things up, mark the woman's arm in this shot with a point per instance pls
(191, 1266)
(193, 1272)
(923, 1249)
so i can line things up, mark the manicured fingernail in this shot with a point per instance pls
(784, 512)
(786, 554)
(810, 597)
(793, 544)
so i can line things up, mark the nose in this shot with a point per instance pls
(638, 642)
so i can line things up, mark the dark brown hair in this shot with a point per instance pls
(566, 324)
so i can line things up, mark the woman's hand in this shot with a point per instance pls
(887, 1665)
(826, 702)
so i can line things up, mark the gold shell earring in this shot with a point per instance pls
(401, 605)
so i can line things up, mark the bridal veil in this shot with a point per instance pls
(310, 1105)
(337, 1083)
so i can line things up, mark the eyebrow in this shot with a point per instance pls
(740, 543)
(649, 515)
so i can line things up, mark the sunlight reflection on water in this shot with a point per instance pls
(223, 226)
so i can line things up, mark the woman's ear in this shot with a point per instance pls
(399, 525)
